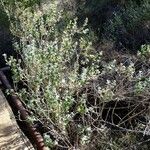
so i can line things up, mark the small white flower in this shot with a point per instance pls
(108, 82)
(88, 129)
(63, 81)
(55, 142)
(140, 73)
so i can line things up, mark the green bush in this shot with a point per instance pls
(130, 26)
(3, 18)
(69, 83)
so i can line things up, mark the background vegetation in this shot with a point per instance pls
(84, 70)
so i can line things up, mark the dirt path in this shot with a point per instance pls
(11, 137)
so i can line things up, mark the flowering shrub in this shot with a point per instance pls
(70, 88)
(145, 51)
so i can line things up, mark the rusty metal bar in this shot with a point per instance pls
(38, 139)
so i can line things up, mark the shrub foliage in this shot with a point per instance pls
(83, 97)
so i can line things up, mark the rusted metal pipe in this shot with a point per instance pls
(37, 138)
